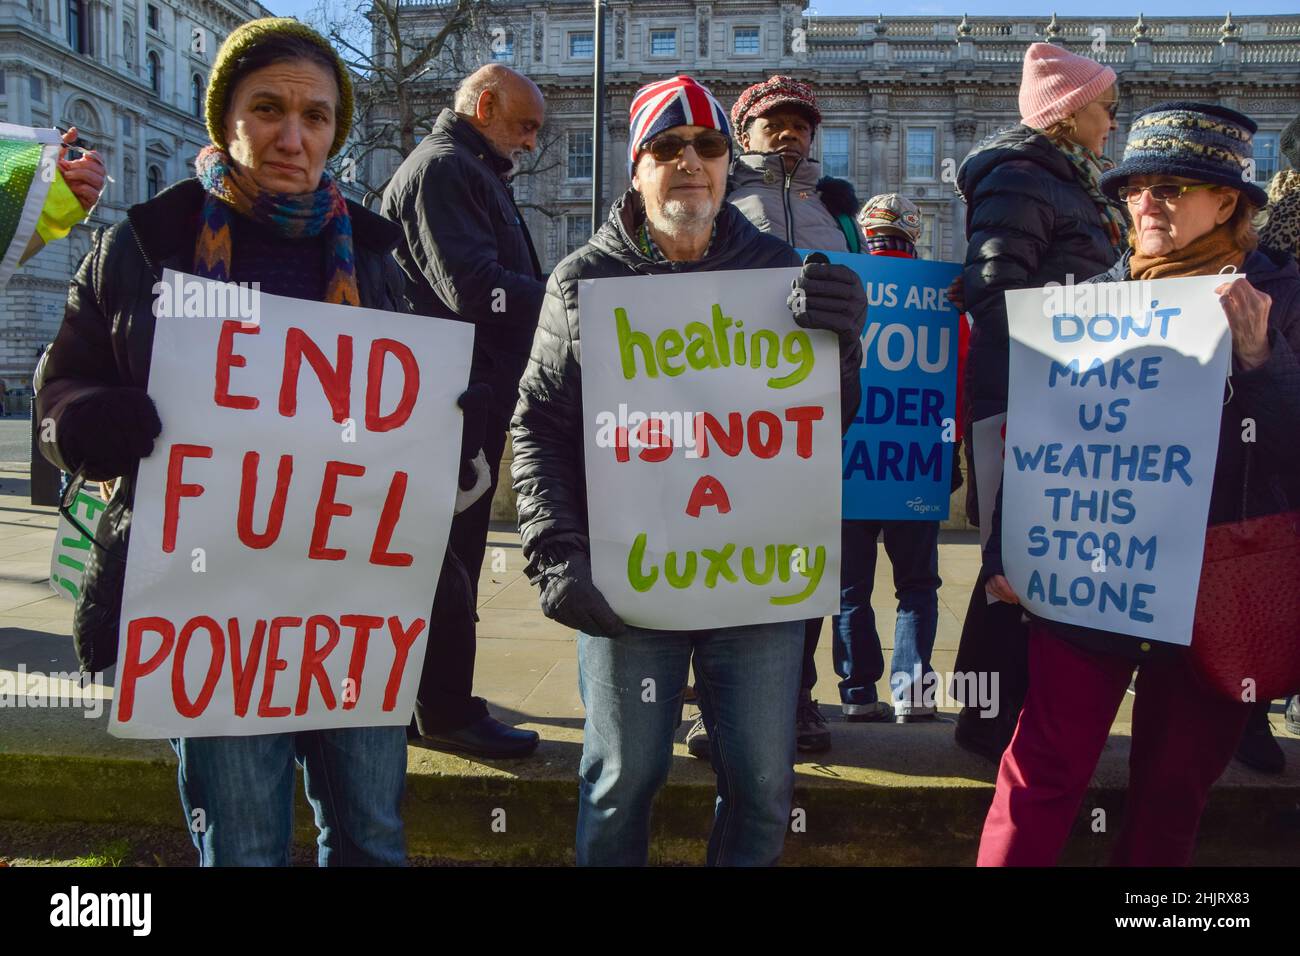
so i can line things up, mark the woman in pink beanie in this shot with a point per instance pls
(1035, 214)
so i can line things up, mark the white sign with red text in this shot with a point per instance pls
(290, 524)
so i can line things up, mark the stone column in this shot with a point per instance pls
(616, 178)
(964, 127)
(878, 130)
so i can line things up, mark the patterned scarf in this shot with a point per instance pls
(231, 191)
(1088, 167)
(651, 250)
(890, 244)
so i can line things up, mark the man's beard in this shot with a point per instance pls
(678, 217)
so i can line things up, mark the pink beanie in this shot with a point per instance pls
(1057, 83)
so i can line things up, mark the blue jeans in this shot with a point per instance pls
(354, 778)
(913, 549)
(748, 682)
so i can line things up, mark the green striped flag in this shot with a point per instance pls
(28, 163)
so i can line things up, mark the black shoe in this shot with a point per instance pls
(985, 737)
(1293, 715)
(1257, 748)
(697, 741)
(486, 737)
(811, 733)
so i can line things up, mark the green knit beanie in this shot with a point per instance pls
(245, 38)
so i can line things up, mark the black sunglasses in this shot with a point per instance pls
(669, 146)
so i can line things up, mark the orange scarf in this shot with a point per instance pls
(1200, 257)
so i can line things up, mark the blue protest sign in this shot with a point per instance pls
(897, 460)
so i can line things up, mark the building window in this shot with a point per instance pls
(503, 48)
(1266, 157)
(126, 126)
(582, 45)
(745, 41)
(36, 88)
(2, 82)
(196, 95)
(579, 154)
(926, 242)
(920, 152)
(154, 19)
(577, 230)
(155, 72)
(835, 152)
(128, 180)
(663, 42)
(78, 26)
(153, 184)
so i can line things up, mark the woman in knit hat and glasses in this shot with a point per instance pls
(1184, 179)
(262, 210)
(1035, 214)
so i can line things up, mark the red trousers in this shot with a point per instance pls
(1183, 738)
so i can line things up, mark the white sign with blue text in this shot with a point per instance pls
(1115, 395)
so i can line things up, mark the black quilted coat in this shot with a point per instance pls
(106, 342)
(1028, 223)
(548, 467)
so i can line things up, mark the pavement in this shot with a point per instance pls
(885, 794)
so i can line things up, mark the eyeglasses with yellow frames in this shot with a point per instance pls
(1160, 192)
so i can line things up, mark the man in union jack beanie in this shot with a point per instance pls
(672, 220)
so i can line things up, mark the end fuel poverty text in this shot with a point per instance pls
(1107, 462)
(324, 638)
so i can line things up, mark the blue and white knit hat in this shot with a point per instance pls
(1210, 144)
(661, 105)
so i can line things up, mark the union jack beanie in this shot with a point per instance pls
(661, 105)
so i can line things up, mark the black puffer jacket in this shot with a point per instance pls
(548, 468)
(106, 342)
(1028, 223)
(466, 251)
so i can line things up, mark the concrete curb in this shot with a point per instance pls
(459, 810)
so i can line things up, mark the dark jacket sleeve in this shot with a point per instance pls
(1011, 224)
(1270, 393)
(80, 365)
(850, 383)
(453, 228)
(993, 546)
(548, 466)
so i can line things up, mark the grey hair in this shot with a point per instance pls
(492, 77)
(467, 93)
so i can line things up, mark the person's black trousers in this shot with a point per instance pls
(446, 700)
(994, 638)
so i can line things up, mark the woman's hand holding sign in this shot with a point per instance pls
(109, 431)
(998, 586)
(1247, 311)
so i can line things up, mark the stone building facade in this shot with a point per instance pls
(130, 75)
(904, 98)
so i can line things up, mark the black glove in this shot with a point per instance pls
(474, 402)
(570, 597)
(832, 299)
(109, 431)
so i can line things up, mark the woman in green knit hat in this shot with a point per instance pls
(262, 209)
